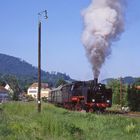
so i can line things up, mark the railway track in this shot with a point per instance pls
(126, 114)
(132, 115)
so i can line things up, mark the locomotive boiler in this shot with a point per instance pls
(82, 95)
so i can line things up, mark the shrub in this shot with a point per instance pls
(133, 98)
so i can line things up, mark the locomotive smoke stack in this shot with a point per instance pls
(95, 81)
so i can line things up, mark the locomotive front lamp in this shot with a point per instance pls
(93, 100)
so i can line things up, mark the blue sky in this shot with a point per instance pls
(62, 49)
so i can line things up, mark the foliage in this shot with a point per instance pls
(137, 81)
(13, 83)
(118, 89)
(45, 99)
(29, 98)
(27, 74)
(133, 98)
(130, 95)
(15, 66)
(60, 82)
(126, 80)
(20, 120)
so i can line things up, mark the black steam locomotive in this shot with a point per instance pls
(82, 95)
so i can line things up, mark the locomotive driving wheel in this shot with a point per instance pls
(91, 110)
(78, 107)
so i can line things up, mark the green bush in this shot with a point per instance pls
(133, 98)
(119, 89)
(29, 98)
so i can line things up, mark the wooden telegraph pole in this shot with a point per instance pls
(121, 91)
(39, 59)
(39, 67)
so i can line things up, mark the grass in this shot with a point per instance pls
(21, 121)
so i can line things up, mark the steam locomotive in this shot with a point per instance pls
(82, 95)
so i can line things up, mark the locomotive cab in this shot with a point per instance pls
(77, 92)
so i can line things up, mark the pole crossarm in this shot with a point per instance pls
(41, 14)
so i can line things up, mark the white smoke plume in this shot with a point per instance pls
(103, 24)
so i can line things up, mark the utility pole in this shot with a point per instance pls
(39, 57)
(121, 91)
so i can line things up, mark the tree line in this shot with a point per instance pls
(19, 85)
(125, 94)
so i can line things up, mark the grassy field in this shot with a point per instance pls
(21, 121)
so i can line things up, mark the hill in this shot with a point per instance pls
(27, 73)
(125, 80)
(16, 66)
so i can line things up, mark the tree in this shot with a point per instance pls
(60, 82)
(133, 98)
(13, 82)
(118, 89)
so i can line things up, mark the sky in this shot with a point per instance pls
(62, 49)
